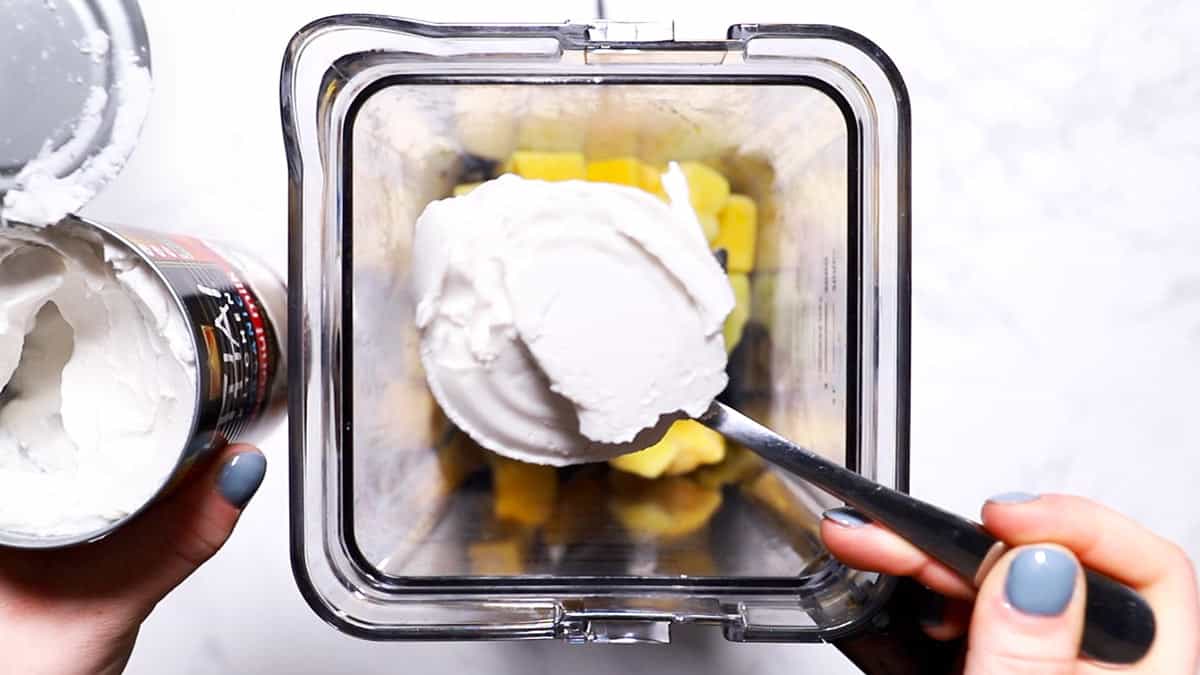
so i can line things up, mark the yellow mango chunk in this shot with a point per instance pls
(697, 445)
(707, 188)
(771, 491)
(622, 171)
(692, 561)
(687, 445)
(546, 165)
(739, 465)
(522, 493)
(735, 323)
(739, 233)
(668, 508)
(464, 188)
(651, 181)
(651, 462)
(504, 555)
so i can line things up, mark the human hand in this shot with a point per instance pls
(1027, 616)
(78, 610)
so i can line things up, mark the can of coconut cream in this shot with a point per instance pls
(143, 353)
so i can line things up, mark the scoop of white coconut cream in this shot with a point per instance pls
(569, 322)
(97, 382)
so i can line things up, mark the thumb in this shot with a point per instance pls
(1028, 616)
(183, 531)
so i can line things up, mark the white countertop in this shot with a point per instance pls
(1056, 336)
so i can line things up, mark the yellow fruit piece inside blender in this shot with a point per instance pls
(495, 558)
(667, 508)
(687, 445)
(738, 233)
(550, 166)
(709, 190)
(651, 181)
(735, 323)
(739, 465)
(501, 551)
(622, 171)
(463, 188)
(694, 562)
(522, 493)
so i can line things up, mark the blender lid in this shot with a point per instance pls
(77, 83)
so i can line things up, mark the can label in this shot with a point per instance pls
(238, 352)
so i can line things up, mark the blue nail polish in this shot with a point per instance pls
(846, 517)
(240, 477)
(1041, 581)
(1013, 498)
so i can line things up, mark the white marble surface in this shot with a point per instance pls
(1057, 291)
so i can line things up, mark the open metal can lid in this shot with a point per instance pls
(76, 77)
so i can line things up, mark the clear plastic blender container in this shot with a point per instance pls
(402, 528)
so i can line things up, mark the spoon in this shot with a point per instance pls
(1119, 623)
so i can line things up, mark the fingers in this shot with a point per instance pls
(865, 546)
(1028, 615)
(180, 533)
(1104, 540)
(1113, 544)
(1100, 539)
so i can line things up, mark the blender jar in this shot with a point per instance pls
(401, 527)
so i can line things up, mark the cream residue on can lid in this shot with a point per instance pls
(44, 193)
(66, 173)
(98, 382)
(571, 321)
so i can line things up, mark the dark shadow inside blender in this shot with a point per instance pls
(423, 505)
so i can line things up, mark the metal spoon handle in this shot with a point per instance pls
(1119, 624)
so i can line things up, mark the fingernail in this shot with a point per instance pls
(1041, 581)
(1012, 498)
(240, 477)
(846, 517)
(931, 609)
